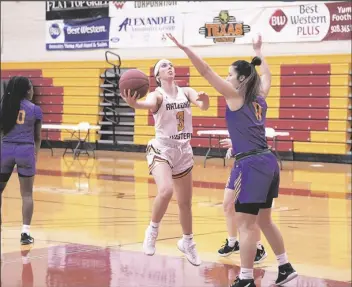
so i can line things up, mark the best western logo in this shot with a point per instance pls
(304, 20)
(278, 20)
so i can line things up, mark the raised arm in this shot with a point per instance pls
(201, 99)
(219, 84)
(264, 67)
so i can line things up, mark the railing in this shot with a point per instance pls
(112, 79)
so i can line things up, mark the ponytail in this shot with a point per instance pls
(16, 90)
(251, 84)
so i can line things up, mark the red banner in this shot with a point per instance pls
(340, 21)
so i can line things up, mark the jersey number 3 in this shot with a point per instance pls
(21, 116)
(258, 111)
(180, 116)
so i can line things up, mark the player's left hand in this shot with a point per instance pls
(257, 43)
(173, 39)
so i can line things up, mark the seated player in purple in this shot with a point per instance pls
(255, 176)
(20, 125)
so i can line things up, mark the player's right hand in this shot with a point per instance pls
(128, 98)
(173, 39)
(226, 143)
(229, 153)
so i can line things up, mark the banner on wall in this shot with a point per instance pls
(140, 29)
(307, 23)
(77, 34)
(225, 26)
(116, 7)
(76, 9)
(298, 23)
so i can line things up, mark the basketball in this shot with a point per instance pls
(136, 81)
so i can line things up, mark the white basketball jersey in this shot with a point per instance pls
(173, 120)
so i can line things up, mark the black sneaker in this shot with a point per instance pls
(286, 274)
(26, 239)
(260, 256)
(227, 250)
(243, 283)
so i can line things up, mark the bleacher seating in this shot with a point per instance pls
(66, 96)
(310, 97)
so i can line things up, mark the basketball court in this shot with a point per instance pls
(90, 216)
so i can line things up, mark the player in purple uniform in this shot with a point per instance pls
(232, 244)
(20, 127)
(255, 175)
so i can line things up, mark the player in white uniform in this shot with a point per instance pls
(169, 154)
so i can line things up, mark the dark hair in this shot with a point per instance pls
(16, 90)
(251, 83)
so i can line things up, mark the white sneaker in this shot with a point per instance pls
(189, 249)
(151, 235)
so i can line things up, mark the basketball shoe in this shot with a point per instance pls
(243, 283)
(188, 247)
(227, 250)
(286, 274)
(260, 255)
(26, 239)
(151, 235)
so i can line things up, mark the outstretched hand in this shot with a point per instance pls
(257, 43)
(128, 98)
(202, 97)
(226, 143)
(173, 39)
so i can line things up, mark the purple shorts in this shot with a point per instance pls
(254, 179)
(21, 155)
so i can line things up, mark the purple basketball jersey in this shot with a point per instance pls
(23, 131)
(246, 126)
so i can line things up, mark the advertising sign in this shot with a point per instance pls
(76, 9)
(225, 26)
(77, 34)
(309, 22)
(139, 29)
(296, 23)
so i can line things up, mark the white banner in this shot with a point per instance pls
(225, 26)
(140, 29)
(306, 23)
(299, 23)
(118, 7)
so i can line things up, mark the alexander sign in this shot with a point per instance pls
(76, 9)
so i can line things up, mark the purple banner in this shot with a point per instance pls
(78, 34)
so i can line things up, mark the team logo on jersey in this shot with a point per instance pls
(224, 28)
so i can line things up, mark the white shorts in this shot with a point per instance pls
(178, 157)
